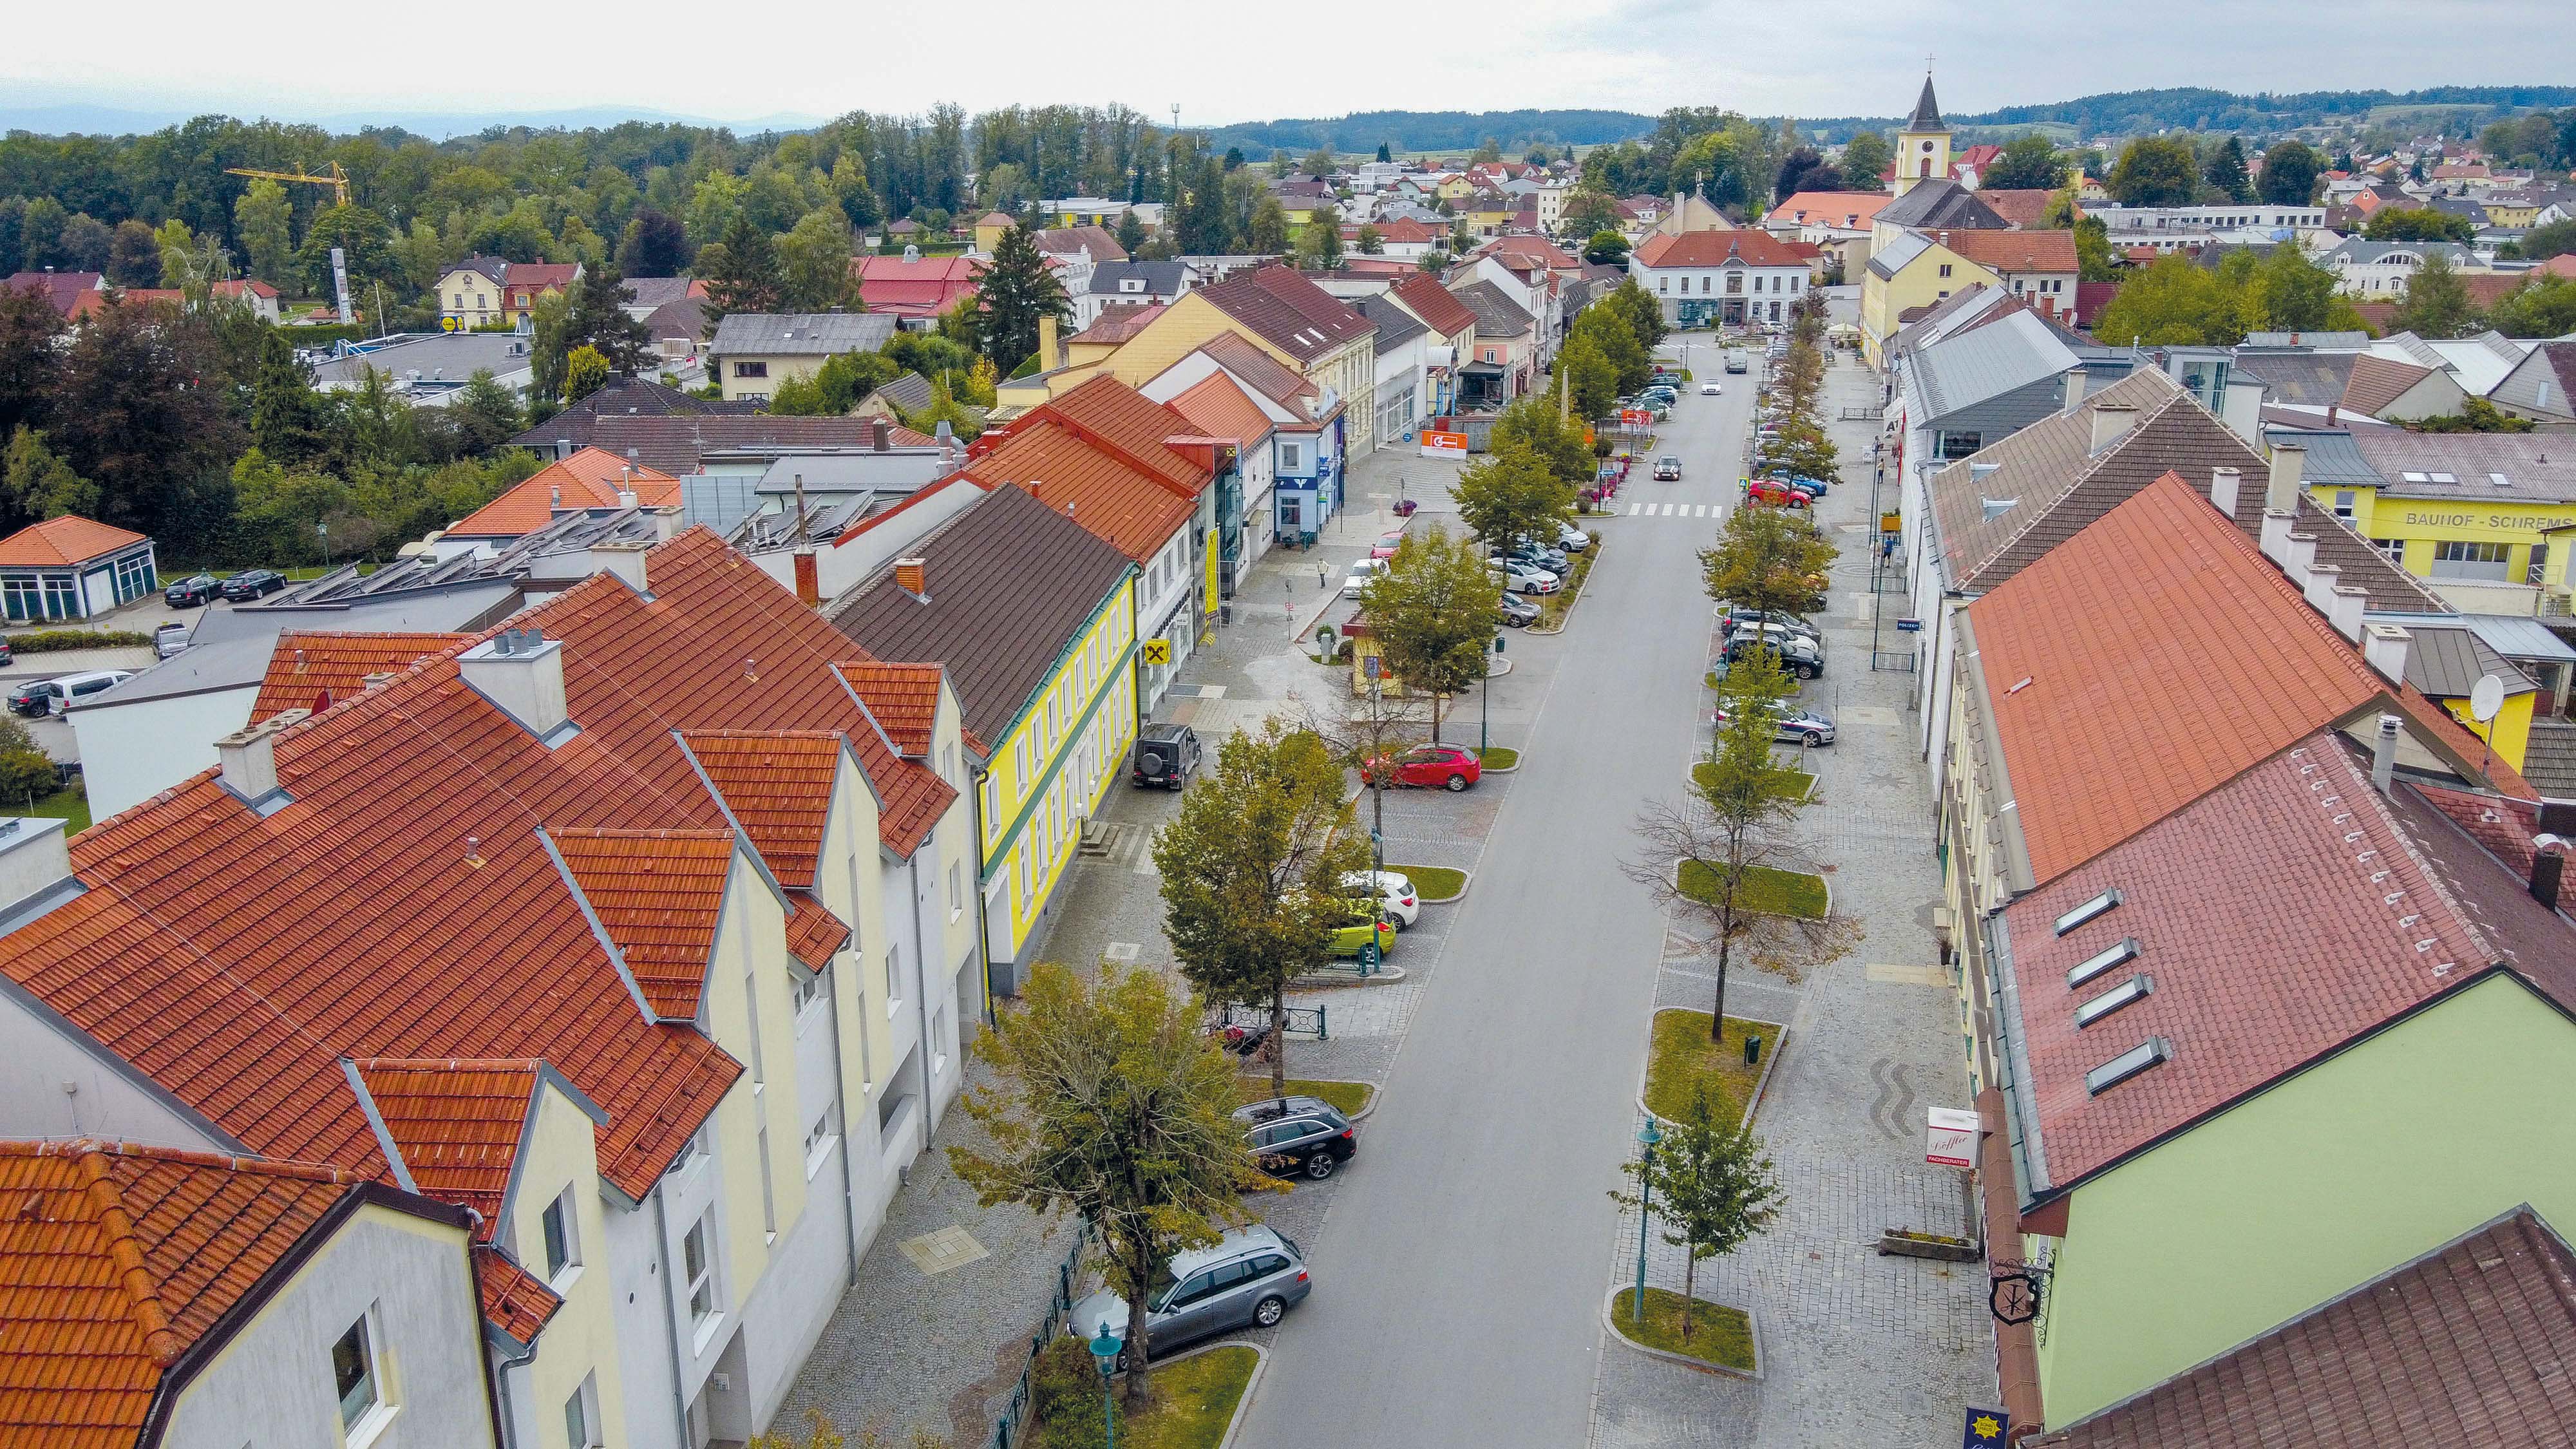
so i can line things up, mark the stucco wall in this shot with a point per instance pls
(132, 752)
(41, 1057)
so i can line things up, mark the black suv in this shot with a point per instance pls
(1165, 755)
(192, 591)
(1289, 1135)
(34, 697)
(249, 584)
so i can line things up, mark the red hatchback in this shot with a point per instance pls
(1446, 766)
(1386, 545)
(1773, 492)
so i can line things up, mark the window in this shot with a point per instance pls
(751, 369)
(768, 1196)
(751, 1011)
(818, 1142)
(1663, 284)
(2459, 559)
(581, 1415)
(561, 1252)
(893, 964)
(2343, 503)
(1945, 269)
(698, 1268)
(808, 991)
(1292, 456)
(353, 1372)
(956, 894)
(2395, 548)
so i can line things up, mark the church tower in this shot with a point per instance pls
(1923, 147)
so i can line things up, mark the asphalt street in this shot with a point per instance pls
(1458, 1277)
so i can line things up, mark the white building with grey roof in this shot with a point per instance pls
(753, 352)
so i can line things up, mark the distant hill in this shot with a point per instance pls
(1434, 131)
(2129, 113)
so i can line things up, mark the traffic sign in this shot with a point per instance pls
(1158, 650)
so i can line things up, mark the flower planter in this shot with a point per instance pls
(1903, 1244)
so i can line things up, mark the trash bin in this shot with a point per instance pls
(1753, 1051)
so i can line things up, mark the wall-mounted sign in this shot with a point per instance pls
(1437, 444)
(1953, 1140)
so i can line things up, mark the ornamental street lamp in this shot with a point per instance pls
(1105, 1349)
(1647, 1137)
(1484, 711)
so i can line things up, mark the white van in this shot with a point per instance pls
(71, 689)
(1738, 361)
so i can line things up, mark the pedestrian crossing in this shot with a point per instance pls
(1676, 510)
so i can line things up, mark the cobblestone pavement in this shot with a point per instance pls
(1857, 1349)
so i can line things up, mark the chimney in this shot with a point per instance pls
(2276, 534)
(666, 523)
(247, 760)
(520, 671)
(2074, 389)
(2383, 647)
(2110, 424)
(1046, 343)
(2223, 486)
(625, 497)
(35, 867)
(2345, 613)
(554, 495)
(880, 434)
(809, 582)
(2289, 462)
(2383, 754)
(620, 556)
(2300, 557)
(911, 574)
(2548, 858)
(1945, 238)
(2320, 584)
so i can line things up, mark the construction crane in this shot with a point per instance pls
(338, 180)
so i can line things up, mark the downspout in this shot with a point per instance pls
(670, 1316)
(841, 1104)
(983, 928)
(921, 1006)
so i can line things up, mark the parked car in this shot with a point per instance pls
(33, 697)
(1710, 389)
(1365, 922)
(1297, 1137)
(1771, 492)
(1386, 545)
(1516, 611)
(1659, 397)
(1733, 617)
(1250, 1278)
(1795, 724)
(1165, 755)
(250, 584)
(71, 689)
(1552, 560)
(1668, 469)
(1571, 538)
(1523, 578)
(1802, 655)
(1362, 570)
(169, 640)
(7, 655)
(1394, 892)
(191, 591)
(1446, 766)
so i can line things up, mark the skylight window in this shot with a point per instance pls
(2087, 911)
(2415, 477)
(2132, 990)
(2499, 480)
(2101, 961)
(2446, 477)
(2148, 1053)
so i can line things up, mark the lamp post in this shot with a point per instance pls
(1105, 1349)
(1484, 710)
(1647, 1137)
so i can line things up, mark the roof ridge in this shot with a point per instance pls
(445, 1064)
(2093, 463)
(125, 1250)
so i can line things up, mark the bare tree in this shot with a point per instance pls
(1376, 726)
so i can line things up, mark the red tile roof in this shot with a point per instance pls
(1245, 359)
(1218, 407)
(456, 1123)
(2015, 251)
(514, 1301)
(2023, 207)
(1288, 312)
(1422, 295)
(590, 479)
(814, 934)
(902, 698)
(402, 905)
(921, 287)
(2093, 661)
(1119, 323)
(58, 542)
(115, 1260)
(311, 668)
(778, 785)
(1830, 208)
(658, 894)
(63, 291)
(1103, 451)
(1715, 248)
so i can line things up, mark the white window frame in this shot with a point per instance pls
(698, 1288)
(363, 1424)
(561, 1220)
(581, 1415)
(819, 1140)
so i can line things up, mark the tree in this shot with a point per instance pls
(1532, 423)
(367, 244)
(2172, 302)
(1252, 870)
(2156, 171)
(30, 341)
(1607, 248)
(2094, 261)
(598, 318)
(2224, 171)
(1713, 1183)
(1383, 154)
(40, 485)
(742, 272)
(1131, 232)
(1645, 315)
(1489, 149)
(87, 243)
(485, 413)
(1318, 163)
(134, 255)
(1013, 293)
(130, 412)
(2290, 174)
(1801, 447)
(2436, 304)
(1267, 233)
(653, 245)
(814, 261)
(1369, 240)
(1319, 243)
(288, 419)
(2418, 223)
(1432, 612)
(1113, 1102)
(1866, 158)
(2028, 163)
(1591, 381)
(2542, 306)
(1804, 170)
(2476, 415)
(262, 220)
(1609, 329)
(1771, 559)
(2289, 293)
(40, 234)
(585, 372)
(1589, 213)
(2543, 242)
(1511, 494)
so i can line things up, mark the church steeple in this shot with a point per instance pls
(1927, 111)
(1923, 147)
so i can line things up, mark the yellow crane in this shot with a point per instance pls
(338, 180)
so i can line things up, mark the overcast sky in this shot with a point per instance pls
(1224, 60)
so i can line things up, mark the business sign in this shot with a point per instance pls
(1953, 1141)
(1636, 418)
(1437, 444)
(1909, 626)
(1157, 651)
(1984, 1427)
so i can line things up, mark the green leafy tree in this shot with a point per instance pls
(654, 244)
(1865, 160)
(1131, 232)
(2542, 306)
(1267, 234)
(598, 318)
(486, 414)
(2418, 223)
(1713, 1183)
(1609, 330)
(2289, 293)
(2436, 303)
(134, 255)
(1801, 447)
(1319, 242)
(1591, 379)
(814, 264)
(1489, 149)
(1771, 559)
(2029, 163)
(1511, 494)
(2172, 302)
(1013, 293)
(1607, 248)
(2476, 415)
(1318, 163)
(742, 272)
(1370, 241)
(585, 372)
(41, 485)
(2094, 261)
(2290, 171)
(26, 776)
(551, 342)
(1432, 613)
(2224, 171)
(263, 220)
(1645, 315)
(88, 244)
(1112, 1101)
(288, 418)
(366, 242)
(130, 412)
(2156, 171)
(1532, 423)
(1252, 870)
(2543, 242)
(1589, 212)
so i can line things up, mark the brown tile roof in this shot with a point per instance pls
(658, 894)
(2378, 381)
(590, 479)
(814, 934)
(902, 698)
(70, 539)
(1247, 361)
(1287, 311)
(115, 1260)
(456, 1123)
(778, 786)
(2094, 659)
(2022, 207)
(2015, 251)
(1219, 408)
(514, 1301)
(2474, 1343)
(675, 444)
(1065, 240)
(402, 906)
(1011, 583)
(624, 397)
(1715, 248)
(1119, 323)
(1831, 208)
(311, 668)
(1422, 295)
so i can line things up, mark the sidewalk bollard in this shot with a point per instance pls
(1753, 1051)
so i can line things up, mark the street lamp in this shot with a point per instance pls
(1484, 713)
(1647, 1137)
(1105, 1349)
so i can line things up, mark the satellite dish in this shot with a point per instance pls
(2487, 698)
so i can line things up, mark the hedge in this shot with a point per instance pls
(49, 641)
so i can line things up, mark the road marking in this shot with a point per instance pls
(1124, 952)
(1633, 510)
(1699, 510)
(1909, 975)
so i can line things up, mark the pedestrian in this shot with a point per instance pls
(1319, 576)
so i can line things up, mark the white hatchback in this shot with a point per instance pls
(1395, 893)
